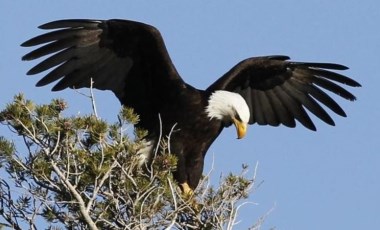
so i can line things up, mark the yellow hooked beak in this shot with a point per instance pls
(241, 128)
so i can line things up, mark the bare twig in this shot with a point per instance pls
(93, 98)
(74, 192)
(174, 219)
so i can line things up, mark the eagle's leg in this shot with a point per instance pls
(188, 193)
(186, 190)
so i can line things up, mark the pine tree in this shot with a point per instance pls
(81, 172)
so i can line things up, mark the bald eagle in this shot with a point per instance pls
(130, 59)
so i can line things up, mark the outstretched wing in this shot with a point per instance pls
(123, 56)
(277, 91)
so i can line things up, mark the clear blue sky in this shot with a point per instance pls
(327, 179)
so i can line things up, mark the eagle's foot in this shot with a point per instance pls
(188, 193)
(186, 190)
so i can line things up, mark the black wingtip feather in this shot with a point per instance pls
(311, 127)
(57, 88)
(26, 43)
(279, 57)
(70, 23)
(355, 83)
(332, 66)
(335, 77)
(31, 72)
(25, 58)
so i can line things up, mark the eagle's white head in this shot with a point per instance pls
(230, 108)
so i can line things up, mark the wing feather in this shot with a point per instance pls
(334, 77)
(334, 88)
(320, 96)
(282, 90)
(104, 51)
(266, 107)
(56, 35)
(71, 23)
(50, 48)
(282, 114)
(258, 112)
(308, 102)
(294, 103)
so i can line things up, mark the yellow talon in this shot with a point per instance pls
(188, 193)
(186, 189)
